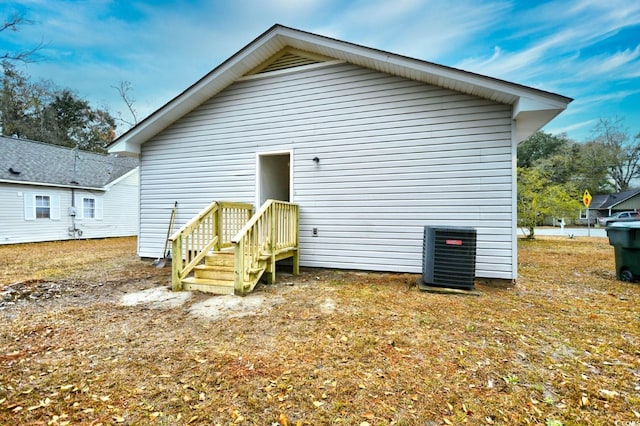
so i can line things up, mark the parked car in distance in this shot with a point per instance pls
(619, 217)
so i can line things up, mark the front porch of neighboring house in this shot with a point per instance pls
(226, 250)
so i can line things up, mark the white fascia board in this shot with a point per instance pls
(529, 104)
(52, 185)
(125, 147)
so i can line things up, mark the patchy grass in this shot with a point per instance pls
(66, 259)
(561, 347)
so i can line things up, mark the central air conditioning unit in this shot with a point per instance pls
(449, 257)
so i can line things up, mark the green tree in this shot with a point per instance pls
(560, 167)
(14, 102)
(583, 165)
(39, 111)
(592, 168)
(564, 201)
(42, 112)
(75, 123)
(540, 146)
(624, 151)
(538, 197)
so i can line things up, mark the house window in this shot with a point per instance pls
(40, 206)
(43, 207)
(89, 208)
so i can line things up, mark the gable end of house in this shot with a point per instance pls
(282, 48)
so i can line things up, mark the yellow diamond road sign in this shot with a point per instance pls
(586, 198)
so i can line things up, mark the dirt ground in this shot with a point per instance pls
(91, 335)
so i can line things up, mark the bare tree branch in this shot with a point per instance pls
(13, 24)
(24, 56)
(123, 90)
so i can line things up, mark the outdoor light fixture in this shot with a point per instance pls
(316, 160)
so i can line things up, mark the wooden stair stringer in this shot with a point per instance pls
(255, 275)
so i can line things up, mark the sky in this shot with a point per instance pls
(588, 50)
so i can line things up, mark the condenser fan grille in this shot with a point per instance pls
(449, 258)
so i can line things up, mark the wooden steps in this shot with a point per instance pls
(215, 276)
(251, 245)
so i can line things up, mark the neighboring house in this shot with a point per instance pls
(371, 145)
(604, 205)
(49, 192)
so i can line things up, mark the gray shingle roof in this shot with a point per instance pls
(23, 160)
(607, 201)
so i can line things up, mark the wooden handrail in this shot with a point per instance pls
(256, 217)
(210, 229)
(272, 231)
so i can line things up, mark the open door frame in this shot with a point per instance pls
(272, 178)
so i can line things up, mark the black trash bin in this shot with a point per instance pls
(625, 239)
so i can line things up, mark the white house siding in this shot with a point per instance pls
(119, 215)
(395, 155)
(14, 228)
(120, 209)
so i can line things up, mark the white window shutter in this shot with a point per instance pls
(55, 207)
(99, 208)
(29, 206)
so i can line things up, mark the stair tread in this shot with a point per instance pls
(205, 286)
(219, 259)
(220, 268)
(207, 281)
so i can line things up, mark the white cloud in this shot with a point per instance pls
(616, 64)
(424, 30)
(525, 63)
(563, 33)
(164, 47)
(609, 96)
(584, 125)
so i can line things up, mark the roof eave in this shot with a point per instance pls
(53, 185)
(121, 178)
(624, 199)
